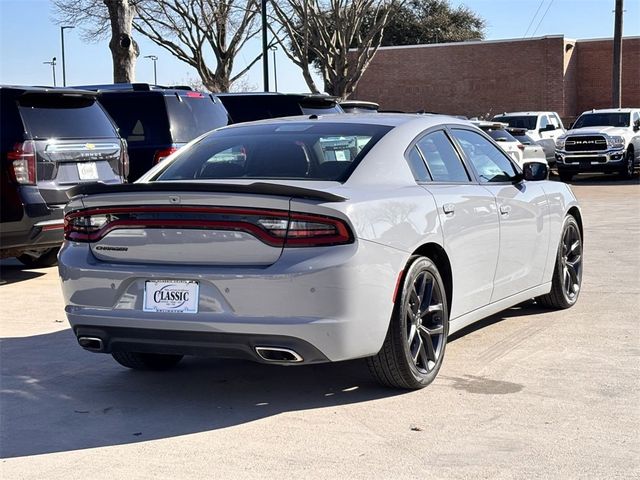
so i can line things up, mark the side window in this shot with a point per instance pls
(554, 121)
(636, 118)
(491, 164)
(442, 159)
(557, 122)
(417, 166)
(544, 121)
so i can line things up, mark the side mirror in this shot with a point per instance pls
(535, 171)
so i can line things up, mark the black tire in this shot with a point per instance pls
(146, 361)
(567, 274)
(420, 319)
(628, 168)
(566, 177)
(46, 258)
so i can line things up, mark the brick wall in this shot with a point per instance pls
(479, 78)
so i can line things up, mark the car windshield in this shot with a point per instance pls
(298, 151)
(520, 121)
(603, 119)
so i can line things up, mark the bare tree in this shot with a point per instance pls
(97, 19)
(331, 34)
(190, 29)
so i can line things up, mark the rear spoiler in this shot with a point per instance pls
(257, 188)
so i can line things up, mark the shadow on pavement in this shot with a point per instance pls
(12, 271)
(57, 397)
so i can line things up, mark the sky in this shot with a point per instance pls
(29, 36)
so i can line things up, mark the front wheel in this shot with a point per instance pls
(414, 347)
(146, 361)
(629, 166)
(567, 274)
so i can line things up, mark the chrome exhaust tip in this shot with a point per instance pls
(91, 343)
(278, 355)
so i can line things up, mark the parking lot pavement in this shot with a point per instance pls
(524, 394)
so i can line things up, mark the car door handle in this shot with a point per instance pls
(505, 210)
(449, 208)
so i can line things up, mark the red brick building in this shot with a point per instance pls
(490, 77)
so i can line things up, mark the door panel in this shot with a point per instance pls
(469, 222)
(524, 237)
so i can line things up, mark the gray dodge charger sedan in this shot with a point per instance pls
(317, 239)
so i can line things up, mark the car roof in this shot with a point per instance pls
(522, 114)
(46, 89)
(611, 110)
(385, 119)
(140, 88)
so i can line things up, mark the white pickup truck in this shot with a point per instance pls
(606, 141)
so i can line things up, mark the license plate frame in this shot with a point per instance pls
(168, 296)
(87, 170)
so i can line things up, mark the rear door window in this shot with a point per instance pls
(193, 114)
(64, 116)
(141, 118)
(442, 159)
(489, 162)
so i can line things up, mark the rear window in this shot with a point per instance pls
(142, 119)
(246, 108)
(193, 114)
(62, 116)
(524, 121)
(499, 135)
(298, 151)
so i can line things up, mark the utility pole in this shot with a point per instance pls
(616, 85)
(53, 69)
(273, 48)
(265, 47)
(154, 58)
(64, 74)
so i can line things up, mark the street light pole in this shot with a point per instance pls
(273, 48)
(265, 47)
(154, 58)
(64, 74)
(53, 68)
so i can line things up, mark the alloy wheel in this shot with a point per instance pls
(425, 326)
(571, 262)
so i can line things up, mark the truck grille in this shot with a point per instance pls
(585, 144)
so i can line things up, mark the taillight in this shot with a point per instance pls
(164, 153)
(124, 160)
(23, 162)
(277, 228)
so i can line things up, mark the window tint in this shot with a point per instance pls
(524, 121)
(417, 166)
(61, 116)
(490, 163)
(301, 151)
(602, 120)
(142, 119)
(193, 114)
(246, 108)
(442, 159)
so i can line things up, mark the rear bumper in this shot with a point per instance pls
(32, 232)
(213, 344)
(336, 299)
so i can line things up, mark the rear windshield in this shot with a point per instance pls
(297, 151)
(524, 121)
(603, 120)
(63, 116)
(194, 114)
(142, 119)
(500, 135)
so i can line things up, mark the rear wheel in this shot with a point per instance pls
(567, 275)
(40, 258)
(146, 361)
(414, 347)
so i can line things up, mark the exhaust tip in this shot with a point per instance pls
(91, 343)
(278, 355)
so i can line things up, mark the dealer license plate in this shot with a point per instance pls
(179, 296)
(87, 171)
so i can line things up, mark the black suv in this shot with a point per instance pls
(156, 121)
(246, 107)
(50, 140)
